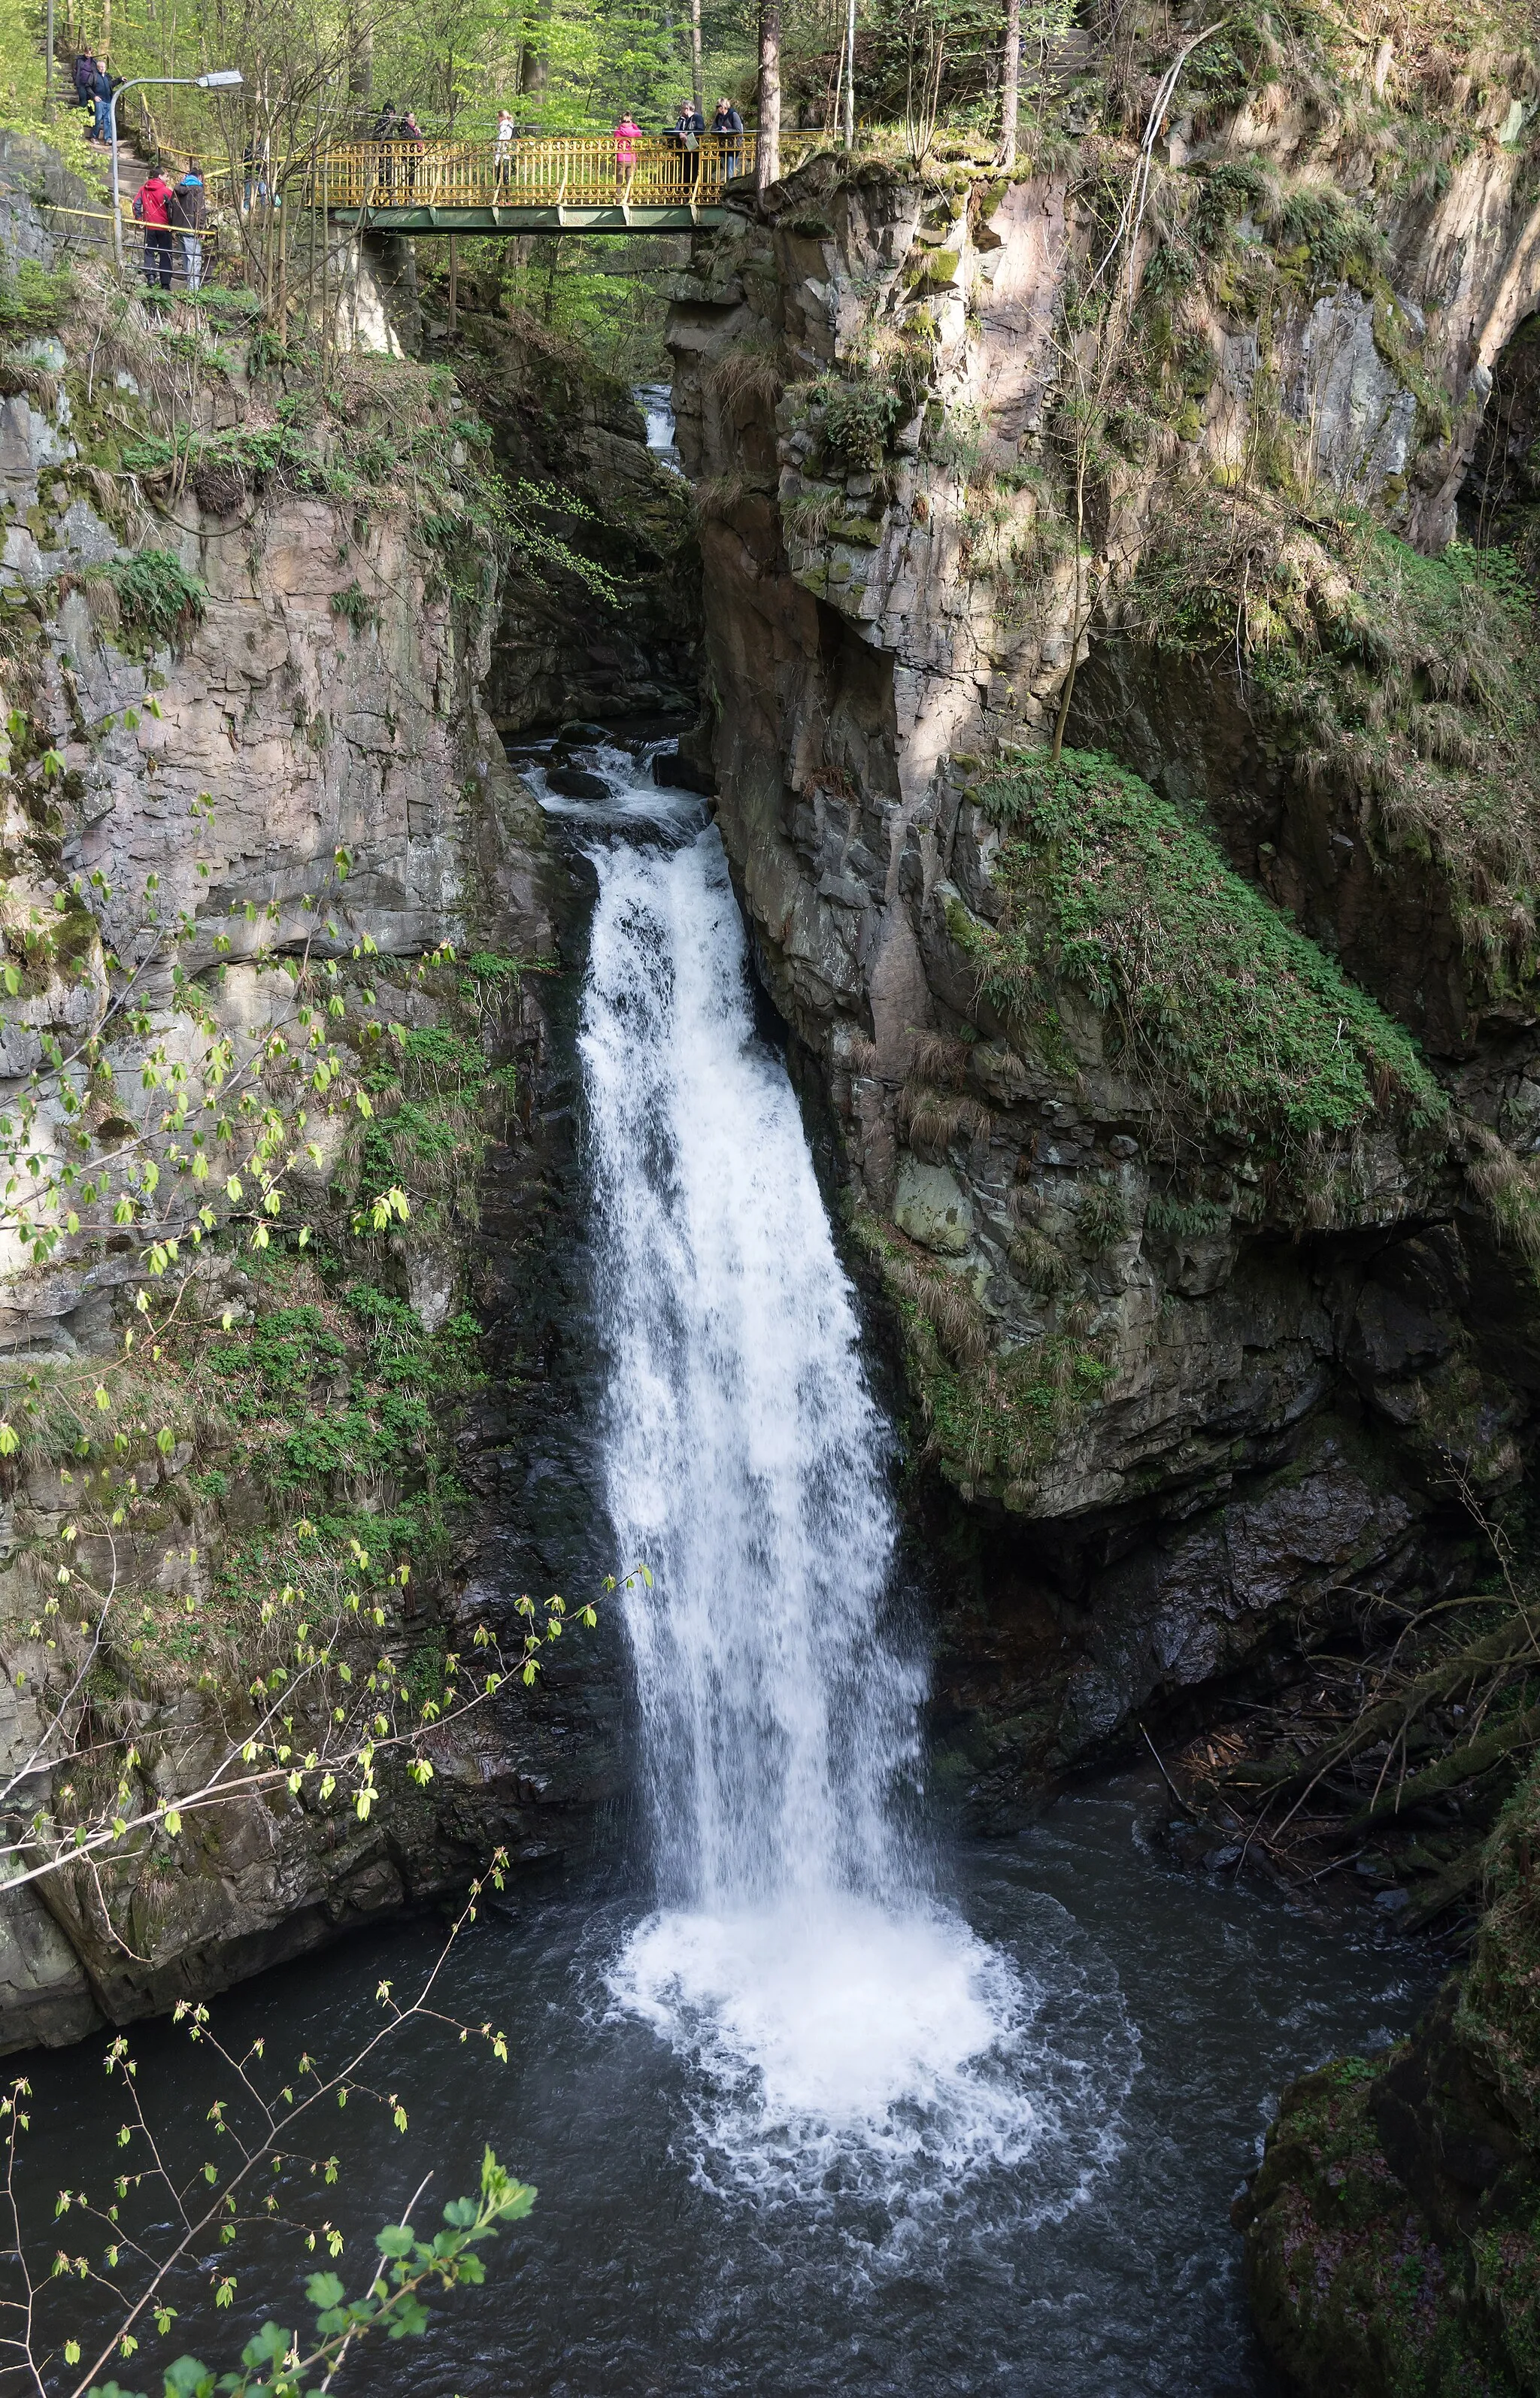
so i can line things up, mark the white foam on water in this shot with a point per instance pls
(840, 2029)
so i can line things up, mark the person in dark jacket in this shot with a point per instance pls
(689, 124)
(187, 213)
(386, 130)
(152, 207)
(84, 75)
(103, 84)
(410, 132)
(727, 125)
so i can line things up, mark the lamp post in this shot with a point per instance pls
(220, 79)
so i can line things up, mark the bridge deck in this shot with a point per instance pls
(570, 183)
(565, 219)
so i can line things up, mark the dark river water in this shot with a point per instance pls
(1096, 2261)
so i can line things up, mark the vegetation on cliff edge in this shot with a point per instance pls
(1408, 685)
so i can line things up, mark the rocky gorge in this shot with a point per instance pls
(1125, 761)
(1179, 1083)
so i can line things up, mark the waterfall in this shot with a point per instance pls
(655, 401)
(830, 2010)
(744, 1457)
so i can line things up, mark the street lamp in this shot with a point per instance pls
(218, 79)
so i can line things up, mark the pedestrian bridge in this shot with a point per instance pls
(567, 184)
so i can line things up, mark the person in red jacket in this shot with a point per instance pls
(152, 207)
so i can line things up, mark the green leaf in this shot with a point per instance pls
(270, 2346)
(395, 2239)
(324, 2290)
(188, 2379)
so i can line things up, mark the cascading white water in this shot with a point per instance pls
(655, 401)
(833, 2014)
(743, 1453)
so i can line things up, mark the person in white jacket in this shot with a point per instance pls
(503, 147)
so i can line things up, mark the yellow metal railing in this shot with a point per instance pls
(577, 171)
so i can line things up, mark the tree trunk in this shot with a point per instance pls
(767, 153)
(361, 74)
(532, 56)
(1010, 83)
(695, 55)
(850, 77)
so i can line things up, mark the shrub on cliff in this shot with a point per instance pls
(1408, 684)
(1215, 994)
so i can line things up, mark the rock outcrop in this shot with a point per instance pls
(575, 441)
(1390, 2232)
(1193, 1361)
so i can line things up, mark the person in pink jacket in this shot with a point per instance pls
(628, 134)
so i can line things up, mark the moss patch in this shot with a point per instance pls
(1345, 2275)
(1358, 2286)
(992, 1419)
(1411, 685)
(1217, 995)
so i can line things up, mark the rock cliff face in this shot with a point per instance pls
(1390, 2232)
(560, 653)
(1193, 1345)
(246, 729)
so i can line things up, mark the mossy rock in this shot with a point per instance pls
(1251, 1025)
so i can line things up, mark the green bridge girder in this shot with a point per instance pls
(568, 219)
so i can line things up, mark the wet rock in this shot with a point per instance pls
(675, 773)
(576, 783)
(45, 2000)
(932, 1207)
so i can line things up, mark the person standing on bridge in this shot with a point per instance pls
(628, 134)
(727, 125)
(386, 128)
(502, 149)
(410, 132)
(689, 125)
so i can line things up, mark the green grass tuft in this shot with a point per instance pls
(156, 595)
